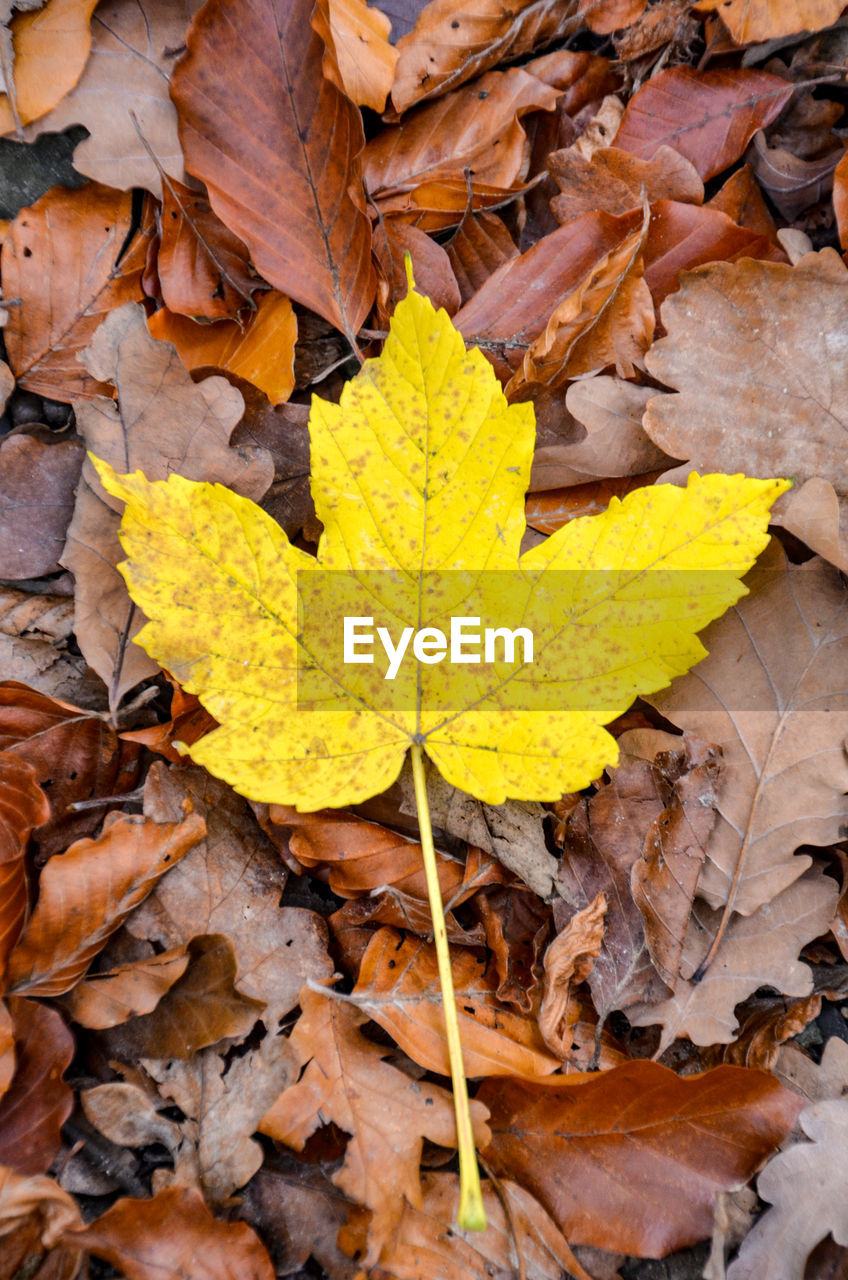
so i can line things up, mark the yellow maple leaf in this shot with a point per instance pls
(419, 477)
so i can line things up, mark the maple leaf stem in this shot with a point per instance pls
(472, 1215)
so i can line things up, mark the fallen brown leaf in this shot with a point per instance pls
(742, 200)
(606, 16)
(791, 182)
(631, 1159)
(517, 925)
(548, 511)
(766, 1024)
(568, 961)
(708, 116)
(39, 475)
(23, 806)
(386, 1113)
(432, 269)
(37, 1102)
(750, 21)
(358, 58)
(277, 146)
(35, 1212)
(398, 987)
(127, 991)
(173, 1234)
(60, 309)
(202, 268)
(50, 49)
(613, 180)
(134, 45)
(480, 245)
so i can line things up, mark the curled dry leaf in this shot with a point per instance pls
(630, 1159)
(48, 617)
(387, 1113)
(358, 58)
(750, 21)
(49, 50)
(766, 1025)
(37, 1102)
(61, 309)
(742, 200)
(517, 925)
(568, 961)
(134, 46)
(806, 1187)
(393, 239)
(260, 350)
(23, 806)
(163, 422)
(772, 698)
(35, 1212)
(203, 269)
(399, 988)
(480, 245)
(613, 179)
(708, 116)
(791, 182)
(277, 146)
(449, 46)
(87, 893)
(172, 1234)
(37, 481)
(129, 990)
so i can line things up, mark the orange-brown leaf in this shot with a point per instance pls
(204, 270)
(51, 48)
(23, 806)
(37, 1102)
(358, 58)
(129, 990)
(752, 21)
(568, 961)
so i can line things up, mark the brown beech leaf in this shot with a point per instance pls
(200, 1008)
(203, 269)
(754, 951)
(387, 1113)
(480, 245)
(403, 911)
(76, 756)
(277, 145)
(43, 57)
(515, 304)
(60, 309)
(791, 182)
(358, 58)
(708, 116)
(605, 16)
(189, 721)
(174, 1235)
(568, 961)
(261, 350)
(134, 46)
(742, 200)
(684, 236)
(431, 266)
(550, 510)
(608, 319)
(517, 925)
(34, 1213)
(37, 481)
(86, 894)
(786, 322)
(476, 127)
(631, 1159)
(23, 806)
(232, 883)
(772, 697)
(436, 206)
(806, 1186)
(449, 45)
(163, 422)
(37, 1102)
(766, 1025)
(423, 1247)
(398, 987)
(49, 617)
(840, 200)
(751, 21)
(613, 180)
(127, 991)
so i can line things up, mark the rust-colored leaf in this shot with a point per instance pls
(60, 309)
(23, 806)
(38, 475)
(49, 50)
(708, 116)
(434, 276)
(481, 245)
(34, 1213)
(742, 200)
(568, 961)
(203, 269)
(358, 58)
(277, 144)
(631, 1158)
(517, 924)
(127, 991)
(613, 180)
(37, 1102)
(605, 16)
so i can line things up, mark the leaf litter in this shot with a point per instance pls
(253, 990)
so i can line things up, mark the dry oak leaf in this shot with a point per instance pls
(86, 893)
(358, 58)
(49, 50)
(451, 43)
(387, 1113)
(23, 806)
(163, 422)
(37, 1102)
(135, 44)
(398, 987)
(789, 323)
(631, 1159)
(613, 179)
(752, 21)
(708, 116)
(260, 350)
(203, 269)
(38, 475)
(773, 698)
(423, 1248)
(806, 1186)
(277, 146)
(426, 403)
(231, 883)
(758, 950)
(475, 128)
(63, 304)
(172, 1236)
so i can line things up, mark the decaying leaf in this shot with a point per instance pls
(23, 806)
(749, 21)
(568, 961)
(358, 59)
(38, 1101)
(38, 476)
(43, 59)
(129, 990)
